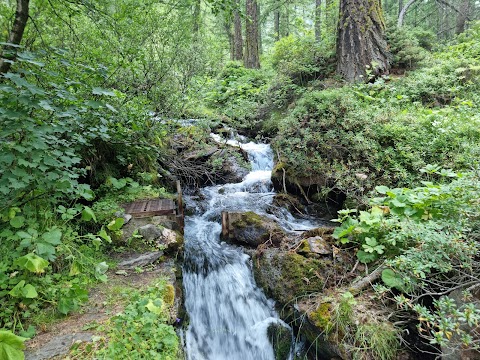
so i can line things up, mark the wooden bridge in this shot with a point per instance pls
(158, 207)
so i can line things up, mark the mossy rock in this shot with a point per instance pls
(281, 339)
(251, 229)
(286, 276)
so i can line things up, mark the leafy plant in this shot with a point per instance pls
(11, 346)
(141, 330)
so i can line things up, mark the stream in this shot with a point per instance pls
(228, 314)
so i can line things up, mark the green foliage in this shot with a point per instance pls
(405, 47)
(302, 58)
(237, 91)
(430, 236)
(357, 137)
(141, 331)
(11, 346)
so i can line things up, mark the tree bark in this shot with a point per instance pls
(318, 20)
(361, 41)
(251, 59)
(196, 18)
(465, 7)
(15, 36)
(228, 30)
(400, 6)
(237, 36)
(276, 24)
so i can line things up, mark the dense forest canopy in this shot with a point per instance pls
(369, 105)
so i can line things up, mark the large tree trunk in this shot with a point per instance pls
(276, 24)
(15, 36)
(227, 25)
(462, 16)
(237, 36)
(251, 59)
(196, 18)
(361, 42)
(318, 20)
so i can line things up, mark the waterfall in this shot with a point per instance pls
(229, 315)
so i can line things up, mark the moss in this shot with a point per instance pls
(169, 294)
(286, 276)
(304, 247)
(322, 317)
(247, 219)
(281, 340)
(180, 240)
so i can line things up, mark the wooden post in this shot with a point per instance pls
(224, 224)
(181, 215)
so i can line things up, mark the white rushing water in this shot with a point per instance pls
(228, 314)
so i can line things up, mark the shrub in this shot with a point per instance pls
(302, 58)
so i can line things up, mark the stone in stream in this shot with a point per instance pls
(249, 228)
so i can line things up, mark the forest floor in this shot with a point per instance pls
(56, 338)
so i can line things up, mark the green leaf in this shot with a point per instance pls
(118, 184)
(17, 222)
(100, 91)
(32, 263)
(382, 189)
(53, 237)
(29, 292)
(65, 305)
(365, 257)
(392, 279)
(103, 234)
(88, 214)
(74, 269)
(100, 271)
(341, 232)
(17, 290)
(116, 224)
(156, 309)
(11, 346)
(29, 333)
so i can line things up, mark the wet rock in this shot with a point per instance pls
(140, 260)
(285, 275)
(281, 339)
(60, 345)
(249, 228)
(233, 170)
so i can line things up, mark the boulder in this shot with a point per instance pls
(140, 260)
(315, 246)
(166, 238)
(285, 275)
(150, 232)
(249, 228)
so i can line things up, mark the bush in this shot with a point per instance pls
(302, 58)
(405, 47)
(429, 237)
(355, 138)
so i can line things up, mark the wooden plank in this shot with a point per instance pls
(153, 207)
